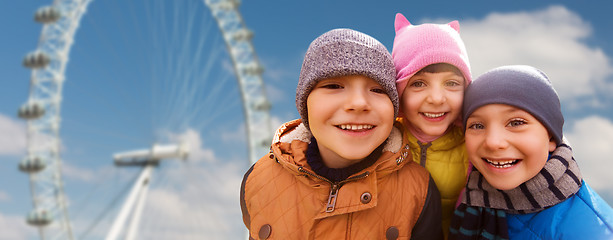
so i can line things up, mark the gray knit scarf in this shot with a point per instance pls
(482, 213)
(559, 179)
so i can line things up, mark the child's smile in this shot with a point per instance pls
(501, 164)
(356, 130)
(355, 127)
(435, 117)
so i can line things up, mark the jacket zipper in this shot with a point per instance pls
(423, 152)
(334, 187)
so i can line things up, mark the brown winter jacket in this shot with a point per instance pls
(282, 198)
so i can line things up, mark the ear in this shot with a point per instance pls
(401, 22)
(455, 25)
(552, 145)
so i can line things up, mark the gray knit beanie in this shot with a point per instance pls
(524, 87)
(342, 52)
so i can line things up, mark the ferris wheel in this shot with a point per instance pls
(49, 63)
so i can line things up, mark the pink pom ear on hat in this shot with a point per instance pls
(455, 25)
(417, 46)
(401, 22)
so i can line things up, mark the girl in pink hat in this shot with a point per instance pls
(432, 71)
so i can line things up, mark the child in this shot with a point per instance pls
(514, 140)
(342, 171)
(432, 71)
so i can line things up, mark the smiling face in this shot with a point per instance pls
(506, 144)
(349, 116)
(432, 101)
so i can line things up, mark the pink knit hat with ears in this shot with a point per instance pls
(417, 46)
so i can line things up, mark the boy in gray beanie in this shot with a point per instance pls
(341, 171)
(533, 186)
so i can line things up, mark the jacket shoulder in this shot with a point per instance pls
(585, 215)
(415, 172)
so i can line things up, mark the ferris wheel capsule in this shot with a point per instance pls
(36, 59)
(39, 218)
(251, 69)
(47, 14)
(31, 110)
(32, 164)
(242, 35)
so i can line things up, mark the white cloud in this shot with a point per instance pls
(15, 228)
(551, 40)
(13, 137)
(591, 140)
(193, 140)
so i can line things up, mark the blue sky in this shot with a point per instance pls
(123, 91)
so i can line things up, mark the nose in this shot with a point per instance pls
(436, 96)
(357, 100)
(495, 139)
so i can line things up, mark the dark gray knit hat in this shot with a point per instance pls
(520, 86)
(341, 52)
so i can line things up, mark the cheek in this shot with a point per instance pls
(385, 106)
(314, 110)
(540, 152)
(386, 114)
(455, 100)
(472, 144)
(310, 109)
(409, 102)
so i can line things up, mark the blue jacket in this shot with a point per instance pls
(585, 215)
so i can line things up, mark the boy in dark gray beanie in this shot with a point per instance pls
(341, 171)
(533, 187)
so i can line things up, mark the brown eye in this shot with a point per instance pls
(476, 126)
(516, 123)
(452, 83)
(418, 84)
(331, 86)
(378, 90)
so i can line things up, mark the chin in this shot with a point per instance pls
(353, 156)
(500, 185)
(506, 188)
(439, 131)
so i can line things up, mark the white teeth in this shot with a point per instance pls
(433, 115)
(354, 127)
(504, 164)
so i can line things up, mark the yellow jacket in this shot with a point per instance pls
(446, 160)
(282, 198)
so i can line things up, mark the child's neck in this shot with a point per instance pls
(315, 161)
